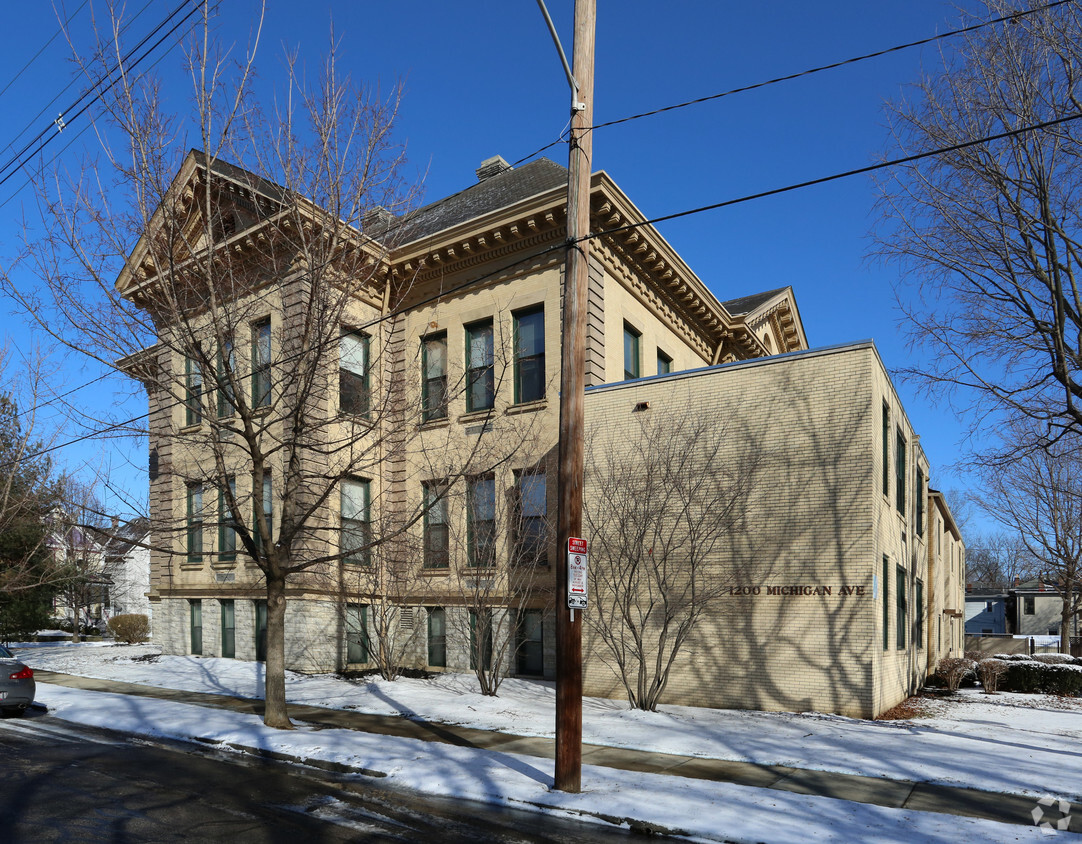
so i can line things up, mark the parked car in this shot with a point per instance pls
(17, 685)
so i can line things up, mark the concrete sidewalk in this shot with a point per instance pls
(901, 794)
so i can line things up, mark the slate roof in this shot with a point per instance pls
(747, 304)
(493, 193)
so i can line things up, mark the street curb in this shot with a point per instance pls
(278, 756)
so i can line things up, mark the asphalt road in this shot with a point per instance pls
(60, 782)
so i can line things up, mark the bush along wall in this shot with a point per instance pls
(1035, 677)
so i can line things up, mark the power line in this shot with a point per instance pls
(63, 91)
(80, 132)
(1015, 16)
(762, 194)
(36, 55)
(98, 85)
(832, 178)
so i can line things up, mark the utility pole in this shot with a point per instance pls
(572, 386)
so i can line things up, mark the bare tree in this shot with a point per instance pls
(987, 234)
(77, 543)
(1038, 496)
(662, 502)
(500, 536)
(997, 560)
(28, 488)
(254, 308)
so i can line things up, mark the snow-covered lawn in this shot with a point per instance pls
(1011, 743)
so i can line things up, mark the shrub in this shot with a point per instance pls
(131, 628)
(990, 671)
(953, 670)
(1042, 678)
(1055, 659)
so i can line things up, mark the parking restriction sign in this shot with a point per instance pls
(576, 574)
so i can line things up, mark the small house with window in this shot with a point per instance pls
(986, 614)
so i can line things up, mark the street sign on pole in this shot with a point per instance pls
(577, 592)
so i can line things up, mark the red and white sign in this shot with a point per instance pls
(576, 573)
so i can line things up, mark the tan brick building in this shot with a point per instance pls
(833, 600)
(445, 378)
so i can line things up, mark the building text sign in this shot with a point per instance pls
(795, 590)
(576, 573)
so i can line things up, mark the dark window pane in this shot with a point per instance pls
(531, 646)
(480, 388)
(353, 368)
(437, 637)
(355, 521)
(261, 364)
(664, 363)
(195, 523)
(434, 377)
(532, 524)
(530, 356)
(435, 529)
(193, 409)
(482, 522)
(631, 353)
(356, 633)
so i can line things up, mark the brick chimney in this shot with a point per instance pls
(492, 167)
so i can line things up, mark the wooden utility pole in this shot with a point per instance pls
(572, 387)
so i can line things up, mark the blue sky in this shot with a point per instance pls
(482, 78)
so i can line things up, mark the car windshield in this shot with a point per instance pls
(5, 653)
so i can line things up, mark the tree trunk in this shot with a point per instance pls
(274, 695)
(1065, 621)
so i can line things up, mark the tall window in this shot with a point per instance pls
(195, 523)
(437, 637)
(227, 534)
(531, 645)
(886, 603)
(886, 450)
(193, 392)
(480, 386)
(920, 501)
(434, 384)
(1028, 607)
(356, 633)
(918, 614)
(531, 528)
(227, 366)
(899, 473)
(900, 608)
(631, 352)
(261, 363)
(529, 355)
(260, 608)
(481, 524)
(435, 527)
(664, 363)
(355, 521)
(229, 630)
(195, 621)
(264, 508)
(481, 639)
(353, 368)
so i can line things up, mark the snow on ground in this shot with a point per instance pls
(1012, 743)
